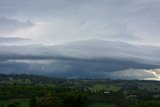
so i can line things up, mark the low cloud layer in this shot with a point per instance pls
(88, 49)
(87, 59)
(80, 38)
(82, 69)
(142, 74)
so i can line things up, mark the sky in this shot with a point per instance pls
(43, 34)
(59, 21)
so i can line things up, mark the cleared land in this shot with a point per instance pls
(98, 87)
(102, 105)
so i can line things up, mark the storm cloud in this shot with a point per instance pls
(80, 38)
(79, 59)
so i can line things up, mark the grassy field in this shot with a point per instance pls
(102, 105)
(98, 87)
(19, 103)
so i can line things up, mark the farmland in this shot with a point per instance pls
(101, 105)
(32, 90)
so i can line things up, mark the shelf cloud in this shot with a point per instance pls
(80, 38)
(90, 58)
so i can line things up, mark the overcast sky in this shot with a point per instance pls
(81, 38)
(59, 21)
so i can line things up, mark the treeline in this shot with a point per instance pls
(63, 99)
(34, 79)
(19, 92)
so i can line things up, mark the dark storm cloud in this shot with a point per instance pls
(79, 59)
(77, 68)
(85, 25)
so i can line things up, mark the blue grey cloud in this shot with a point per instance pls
(8, 26)
(78, 59)
(79, 37)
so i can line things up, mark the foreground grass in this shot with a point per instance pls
(102, 105)
(18, 102)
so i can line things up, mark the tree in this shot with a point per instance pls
(11, 105)
(33, 102)
(50, 100)
(74, 99)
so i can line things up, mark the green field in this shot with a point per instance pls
(102, 105)
(18, 102)
(98, 87)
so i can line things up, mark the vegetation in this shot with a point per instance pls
(101, 105)
(39, 91)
